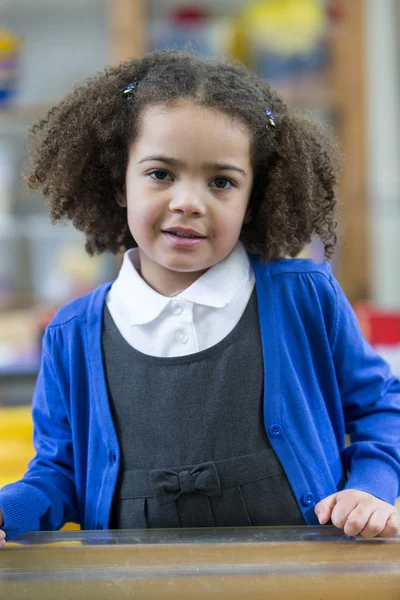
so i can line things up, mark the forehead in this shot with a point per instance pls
(185, 129)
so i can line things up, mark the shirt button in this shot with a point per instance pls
(182, 336)
(275, 430)
(307, 499)
(176, 307)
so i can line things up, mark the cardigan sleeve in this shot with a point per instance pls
(45, 498)
(370, 396)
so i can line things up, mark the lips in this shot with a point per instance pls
(184, 232)
(183, 239)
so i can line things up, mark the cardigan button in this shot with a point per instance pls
(307, 499)
(275, 430)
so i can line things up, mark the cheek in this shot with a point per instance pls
(143, 216)
(230, 221)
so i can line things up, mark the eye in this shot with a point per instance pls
(221, 183)
(160, 175)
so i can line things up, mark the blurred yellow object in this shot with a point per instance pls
(15, 456)
(77, 266)
(70, 526)
(16, 423)
(16, 446)
(9, 42)
(283, 26)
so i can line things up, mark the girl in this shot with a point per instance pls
(213, 383)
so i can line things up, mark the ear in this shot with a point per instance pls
(121, 197)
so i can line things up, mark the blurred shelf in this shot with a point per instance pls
(15, 117)
(18, 372)
(309, 97)
(16, 301)
(17, 389)
(19, 354)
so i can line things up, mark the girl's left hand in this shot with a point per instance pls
(357, 512)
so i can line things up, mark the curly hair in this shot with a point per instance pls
(79, 152)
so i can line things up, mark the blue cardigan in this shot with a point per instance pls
(322, 380)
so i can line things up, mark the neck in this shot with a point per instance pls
(164, 281)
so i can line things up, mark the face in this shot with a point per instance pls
(188, 183)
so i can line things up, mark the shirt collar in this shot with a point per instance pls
(220, 284)
(141, 304)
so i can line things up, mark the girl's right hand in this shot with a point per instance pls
(2, 534)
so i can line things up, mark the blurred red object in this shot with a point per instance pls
(379, 326)
(336, 11)
(190, 15)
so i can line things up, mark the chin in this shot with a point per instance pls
(185, 266)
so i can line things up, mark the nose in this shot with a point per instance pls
(187, 201)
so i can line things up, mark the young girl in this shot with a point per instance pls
(212, 384)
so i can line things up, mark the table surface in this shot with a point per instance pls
(294, 563)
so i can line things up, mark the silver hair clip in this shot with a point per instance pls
(271, 117)
(129, 89)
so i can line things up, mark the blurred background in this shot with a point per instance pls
(338, 60)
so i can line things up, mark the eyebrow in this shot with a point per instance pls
(179, 163)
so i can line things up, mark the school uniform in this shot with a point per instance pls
(207, 462)
(130, 438)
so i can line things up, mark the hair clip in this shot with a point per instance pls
(129, 89)
(271, 117)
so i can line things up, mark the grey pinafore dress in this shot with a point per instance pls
(194, 452)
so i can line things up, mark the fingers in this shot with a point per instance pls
(353, 519)
(374, 525)
(392, 526)
(368, 522)
(323, 509)
(345, 505)
(2, 538)
(359, 513)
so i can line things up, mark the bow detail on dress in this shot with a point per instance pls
(168, 485)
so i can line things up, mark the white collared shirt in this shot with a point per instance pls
(193, 320)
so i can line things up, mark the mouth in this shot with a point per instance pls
(182, 232)
(182, 238)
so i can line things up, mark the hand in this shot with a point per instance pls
(2, 534)
(357, 512)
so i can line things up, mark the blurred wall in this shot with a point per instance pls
(68, 40)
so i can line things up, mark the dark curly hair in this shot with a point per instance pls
(79, 152)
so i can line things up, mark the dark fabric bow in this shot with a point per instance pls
(168, 485)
